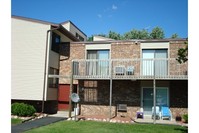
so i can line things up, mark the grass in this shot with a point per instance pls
(104, 127)
(15, 121)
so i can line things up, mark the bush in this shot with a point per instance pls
(185, 117)
(21, 109)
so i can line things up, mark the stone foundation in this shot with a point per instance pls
(105, 110)
(178, 111)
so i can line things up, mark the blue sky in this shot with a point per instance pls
(101, 16)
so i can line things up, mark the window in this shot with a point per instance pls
(90, 91)
(55, 42)
(53, 82)
(79, 37)
(98, 63)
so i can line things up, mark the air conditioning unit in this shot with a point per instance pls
(120, 70)
(122, 107)
(130, 70)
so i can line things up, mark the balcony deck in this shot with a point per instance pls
(130, 69)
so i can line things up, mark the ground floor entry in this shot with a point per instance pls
(162, 98)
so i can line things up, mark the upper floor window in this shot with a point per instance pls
(79, 37)
(98, 54)
(55, 42)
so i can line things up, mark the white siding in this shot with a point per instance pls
(70, 27)
(100, 38)
(28, 53)
(52, 94)
(53, 59)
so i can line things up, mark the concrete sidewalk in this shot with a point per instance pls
(35, 124)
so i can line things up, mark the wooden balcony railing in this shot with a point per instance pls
(129, 69)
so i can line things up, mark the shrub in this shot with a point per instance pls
(185, 117)
(21, 109)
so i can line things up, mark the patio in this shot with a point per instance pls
(129, 120)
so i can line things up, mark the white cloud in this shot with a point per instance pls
(114, 7)
(99, 15)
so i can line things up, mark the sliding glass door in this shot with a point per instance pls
(97, 63)
(162, 98)
(160, 58)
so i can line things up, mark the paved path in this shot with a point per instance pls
(35, 124)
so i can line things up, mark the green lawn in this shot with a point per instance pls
(15, 121)
(104, 127)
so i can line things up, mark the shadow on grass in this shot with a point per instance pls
(183, 130)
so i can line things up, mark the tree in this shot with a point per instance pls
(157, 33)
(90, 38)
(114, 35)
(183, 54)
(136, 34)
(175, 36)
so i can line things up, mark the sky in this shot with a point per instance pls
(101, 16)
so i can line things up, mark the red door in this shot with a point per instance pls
(63, 97)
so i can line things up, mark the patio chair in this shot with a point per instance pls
(165, 112)
(157, 115)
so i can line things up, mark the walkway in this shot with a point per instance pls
(61, 115)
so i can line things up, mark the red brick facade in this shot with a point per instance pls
(94, 94)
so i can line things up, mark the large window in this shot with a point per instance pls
(53, 82)
(55, 42)
(98, 63)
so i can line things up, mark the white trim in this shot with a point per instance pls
(155, 45)
(98, 46)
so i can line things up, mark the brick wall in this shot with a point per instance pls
(179, 97)
(98, 92)
(175, 67)
(77, 51)
(125, 50)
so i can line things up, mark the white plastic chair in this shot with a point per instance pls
(157, 114)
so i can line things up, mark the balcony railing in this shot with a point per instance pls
(129, 69)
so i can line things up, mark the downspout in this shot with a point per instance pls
(46, 67)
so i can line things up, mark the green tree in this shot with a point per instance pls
(175, 36)
(183, 54)
(90, 38)
(136, 34)
(157, 33)
(114, 35)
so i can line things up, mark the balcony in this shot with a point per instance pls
(130, 69)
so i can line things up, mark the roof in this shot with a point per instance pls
(68, 21)
(34, 20)
(61, 29)
(135, 40)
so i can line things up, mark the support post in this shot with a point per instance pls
(110, 102)
(154, 93)
(71, 90)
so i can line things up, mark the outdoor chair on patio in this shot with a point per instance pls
(157, 115)
(165, 112)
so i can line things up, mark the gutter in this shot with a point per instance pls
(46, 66)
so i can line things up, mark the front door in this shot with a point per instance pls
(162, 98)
